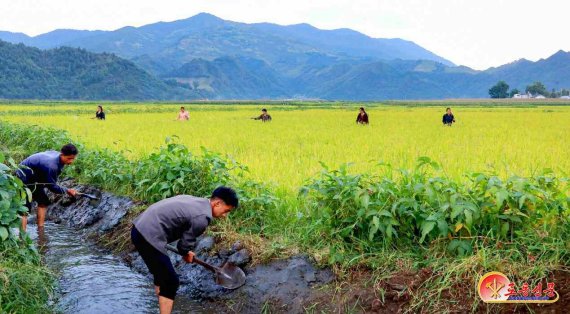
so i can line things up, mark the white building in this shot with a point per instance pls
(521, 96)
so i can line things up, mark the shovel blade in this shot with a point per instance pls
(230, 276)
(94, 199)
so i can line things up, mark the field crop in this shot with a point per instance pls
(493, 195)
(289, 150)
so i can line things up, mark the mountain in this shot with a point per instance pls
(208, 57)
(232, 78)
(14, 37)
(348, 42)
(422, 79)
(57, 38)
(397, 79)
(553, 72)
(207, 37)
(70, 73)
(61, 37)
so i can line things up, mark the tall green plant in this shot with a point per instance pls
(416, 207)
(25, 285)
(12, 196)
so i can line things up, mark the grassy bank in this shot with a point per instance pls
(26, 285)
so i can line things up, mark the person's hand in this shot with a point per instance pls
(72, 192)
(189, 258)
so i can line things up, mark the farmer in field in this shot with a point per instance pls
(264, 116)
(362, 117)
(40, 171)
(181, 217)
(100, 114)
(448, 117)
(183, 115)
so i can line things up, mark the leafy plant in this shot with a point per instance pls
(12, 197)
(25, 285)
(416, 207)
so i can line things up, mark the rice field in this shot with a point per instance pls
(392, 226)
(290, 149)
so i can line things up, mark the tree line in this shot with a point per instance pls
(501, 90)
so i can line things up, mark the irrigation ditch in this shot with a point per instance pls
(91, 279)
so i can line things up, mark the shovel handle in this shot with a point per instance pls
(89, 196)
(196, 260)
(206, 265)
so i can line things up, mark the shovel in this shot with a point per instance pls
(228, 276)
(94, 199)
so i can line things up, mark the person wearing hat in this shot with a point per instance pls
(183, 218)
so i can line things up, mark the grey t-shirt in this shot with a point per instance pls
(181, 217)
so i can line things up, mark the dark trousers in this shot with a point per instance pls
(38, 195)
(158, 264)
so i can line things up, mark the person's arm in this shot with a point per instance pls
(188, 240)
(102, 116)
(453, 118)
(443, 119)
(268, 117)
(52, 183)
(257, 118)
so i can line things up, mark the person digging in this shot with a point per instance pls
(183, 218)
(39, 172)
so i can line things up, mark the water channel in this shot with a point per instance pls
(91, 280)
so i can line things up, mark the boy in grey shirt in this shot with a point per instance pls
(182, 218)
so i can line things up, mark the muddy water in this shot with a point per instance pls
(94, 281)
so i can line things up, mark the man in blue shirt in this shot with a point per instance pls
(448, 117)
(40, 171)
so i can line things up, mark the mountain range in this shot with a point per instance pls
(208, 57)
(72, 73)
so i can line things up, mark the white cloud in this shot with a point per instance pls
(476, 33)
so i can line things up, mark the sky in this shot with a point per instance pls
(476, 33)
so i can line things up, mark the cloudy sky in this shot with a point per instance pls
(476, 33)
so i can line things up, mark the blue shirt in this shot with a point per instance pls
(448, 119)
(42, 170)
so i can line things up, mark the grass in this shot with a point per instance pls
(24, 287)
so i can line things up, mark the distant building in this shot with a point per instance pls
(522, 96)
(565, 97)
(528, 96)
